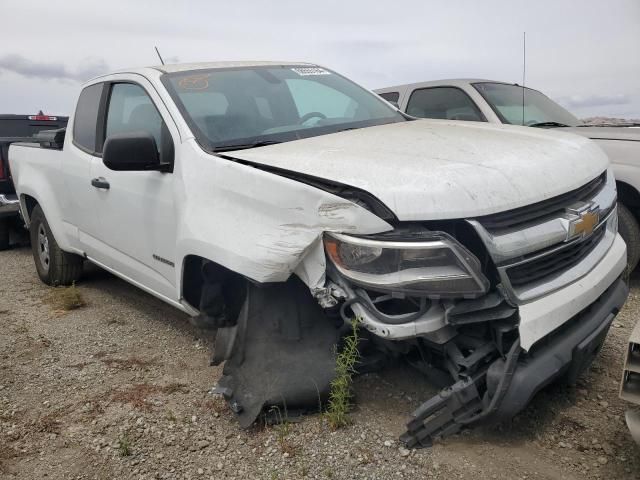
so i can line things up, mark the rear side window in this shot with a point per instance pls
(448, 103)
(392, 97)
(85, 122)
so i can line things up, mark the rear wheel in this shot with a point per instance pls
(4, 234)
(630, 233)
(54, 266)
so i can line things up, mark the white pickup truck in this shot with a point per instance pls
(509, 104)
(275, 202)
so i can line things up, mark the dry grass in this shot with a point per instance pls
(138, 395)
(216, 404)
(124, 446)
(50, 423)
(283, 431)
(65, 299)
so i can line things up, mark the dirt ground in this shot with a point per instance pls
(118, 389)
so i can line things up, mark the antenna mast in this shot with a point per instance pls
(524, 68)
(159, 56)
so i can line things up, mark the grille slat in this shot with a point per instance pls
(540, 210)
(553, 264)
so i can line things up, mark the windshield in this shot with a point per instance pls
(233, 108)
(506, 102)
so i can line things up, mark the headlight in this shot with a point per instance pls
(435, 266)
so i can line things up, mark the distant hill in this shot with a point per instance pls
(609, 120)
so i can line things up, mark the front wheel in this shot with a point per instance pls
(54, 266)
(630, 233)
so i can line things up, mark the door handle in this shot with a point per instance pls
(100, 182)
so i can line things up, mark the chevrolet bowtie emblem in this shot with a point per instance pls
(583, 225)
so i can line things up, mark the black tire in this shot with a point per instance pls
(630, 232)
(55, 267)
(4, 233)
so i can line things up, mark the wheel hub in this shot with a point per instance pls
(43, 248)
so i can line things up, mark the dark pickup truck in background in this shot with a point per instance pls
(13, 127)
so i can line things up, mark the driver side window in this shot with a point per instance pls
(130, 110)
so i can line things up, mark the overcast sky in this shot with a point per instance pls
(584, 54)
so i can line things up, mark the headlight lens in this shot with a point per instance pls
(435, 266)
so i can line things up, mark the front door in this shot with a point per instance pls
(136, 232)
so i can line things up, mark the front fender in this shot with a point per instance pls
(259, 224)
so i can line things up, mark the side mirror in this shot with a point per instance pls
(131, 152)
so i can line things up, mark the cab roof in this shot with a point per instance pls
(182, 67)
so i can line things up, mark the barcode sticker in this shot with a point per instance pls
(308, 71)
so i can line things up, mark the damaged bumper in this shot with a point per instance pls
(569, 351)
(511, 383)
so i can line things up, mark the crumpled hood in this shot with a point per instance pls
(607, 133)
(434, 169)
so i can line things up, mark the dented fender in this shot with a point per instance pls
(259, 224)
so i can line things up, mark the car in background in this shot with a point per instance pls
(13, 127)
(477, 100)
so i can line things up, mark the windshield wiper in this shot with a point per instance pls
(244, 146)
(548, 124)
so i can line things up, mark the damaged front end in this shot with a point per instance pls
(491, 310)
(424, 297)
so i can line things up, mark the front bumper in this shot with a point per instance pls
(9, 205)
(566, 352)
(510, 384)
(540, 317)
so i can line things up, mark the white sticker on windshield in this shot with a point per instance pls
(307, 71)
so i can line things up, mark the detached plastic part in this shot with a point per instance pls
(279, 356)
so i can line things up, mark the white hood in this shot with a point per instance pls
(433, 169)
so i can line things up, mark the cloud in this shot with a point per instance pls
(87, 69)
(582, 101)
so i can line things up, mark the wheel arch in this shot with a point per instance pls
(27, 204)
(192, 279)
(629, 196)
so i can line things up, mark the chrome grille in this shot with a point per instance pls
(547, 265)
(532, 247)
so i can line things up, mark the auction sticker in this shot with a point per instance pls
(309, 71)
(194, 82)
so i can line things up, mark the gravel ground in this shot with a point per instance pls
(118, 389)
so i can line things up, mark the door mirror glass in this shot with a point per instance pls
(131, 152)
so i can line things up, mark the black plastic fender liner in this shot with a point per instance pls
(281, 353)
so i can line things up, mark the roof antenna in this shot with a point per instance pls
(524, 68)
(159, 56)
